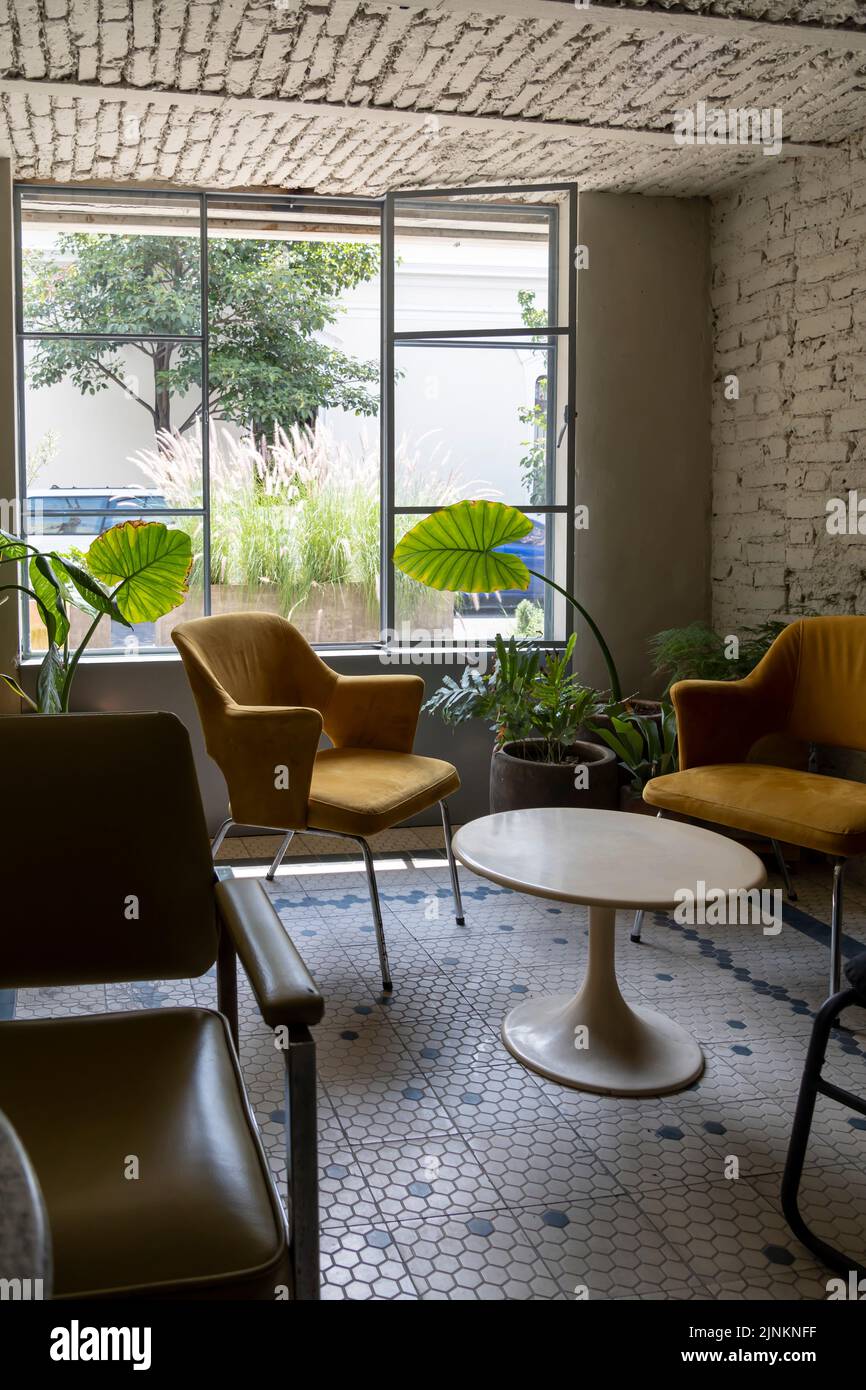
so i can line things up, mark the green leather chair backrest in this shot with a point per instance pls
(107, 871)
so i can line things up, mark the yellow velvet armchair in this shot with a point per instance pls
(810, 685)
(265, 698)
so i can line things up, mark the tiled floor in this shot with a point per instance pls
(449, 1171)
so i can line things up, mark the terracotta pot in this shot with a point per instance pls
(520, 782)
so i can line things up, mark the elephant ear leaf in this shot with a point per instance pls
(11, 548)
(49, 596)
(456, 549)
(49, 682)
(145, 564)
(86, 592)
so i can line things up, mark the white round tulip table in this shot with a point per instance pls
(594, 1040)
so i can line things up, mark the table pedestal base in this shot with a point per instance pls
(594, 1040)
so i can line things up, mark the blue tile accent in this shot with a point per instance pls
(7, 1003)
(555, 1218)
(479, 1227)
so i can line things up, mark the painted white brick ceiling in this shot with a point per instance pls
(193, 91)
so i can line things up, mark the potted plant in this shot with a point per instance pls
(646, 747)
(133, 573)
(457, 549)
(538, 710)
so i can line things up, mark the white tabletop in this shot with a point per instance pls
(604, 858)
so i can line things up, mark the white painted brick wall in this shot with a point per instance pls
(789, 307)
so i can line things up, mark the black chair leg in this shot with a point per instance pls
(811, 1086)
(302, 1164)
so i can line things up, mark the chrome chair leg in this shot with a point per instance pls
(790, 890)
(377, 912)
(836, 928)
(220, 836)
(452, 865)
(634, 934)
(278, 859)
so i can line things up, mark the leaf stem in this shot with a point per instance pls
(613, 675)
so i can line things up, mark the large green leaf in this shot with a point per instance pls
(49, 594)
(85, 592)
(456, 549)
(148, 562)
(11, 548)
(49, 682)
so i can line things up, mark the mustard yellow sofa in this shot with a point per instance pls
(265, 698)
(811, 685)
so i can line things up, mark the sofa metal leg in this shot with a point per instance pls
(220, 836)
(377, 912)
(452, 865)
(811, 1086)
(302, 1163)
(278, 859)
(836, 927)
(790, 890)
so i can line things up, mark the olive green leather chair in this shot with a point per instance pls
(137, 1123)
(811, 686)
(265, 698)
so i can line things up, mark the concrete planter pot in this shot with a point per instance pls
(519, 781)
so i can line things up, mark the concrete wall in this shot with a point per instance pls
(643, 435)
(789, 304)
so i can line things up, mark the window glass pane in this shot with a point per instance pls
(295, 531)
(465, 265)
(111, 636)
(294, 339)
(99, 264)
(472, 421)
(426, 615)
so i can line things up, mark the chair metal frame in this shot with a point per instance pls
(836, 911)
(301, 1128)
(812, 1085)
(387, 983)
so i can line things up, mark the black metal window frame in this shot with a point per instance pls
(554, 334)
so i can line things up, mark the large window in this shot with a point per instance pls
(295, 380)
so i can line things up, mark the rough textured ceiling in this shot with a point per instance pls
(193, 91)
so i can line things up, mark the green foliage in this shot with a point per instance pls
(696, 652)
(645, 746)
(524, 695)
(267, 302)
(456, 549)
(295, 514)
(528, 620)
(533, 465)
(135, 572)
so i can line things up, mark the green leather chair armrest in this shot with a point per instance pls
(285, 991)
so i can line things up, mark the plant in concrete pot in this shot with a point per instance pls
(133, 573)
(457, 549)
(537, 709)
(646, 747)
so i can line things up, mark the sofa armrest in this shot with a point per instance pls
(285, 991)
(266, 754)
(375, 712)
(720, 721)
